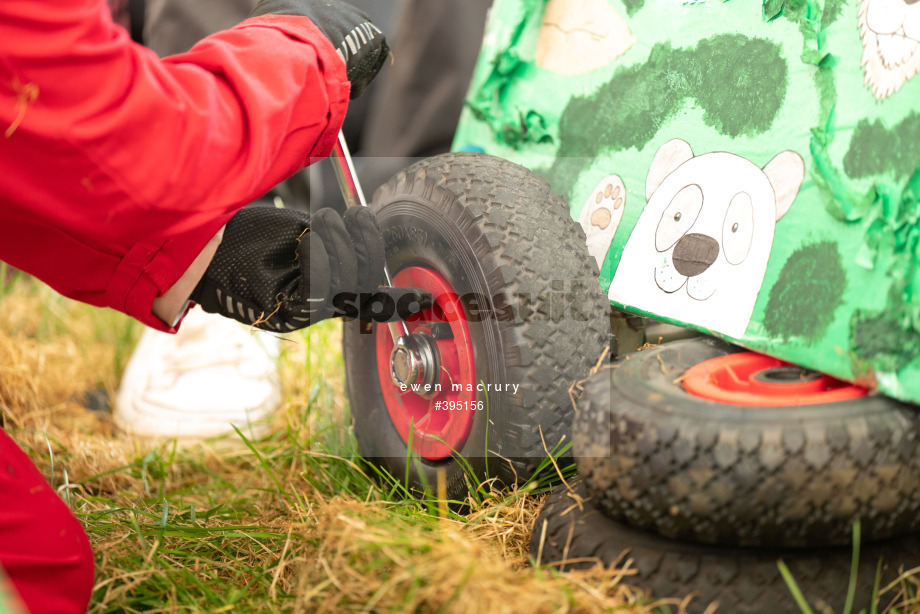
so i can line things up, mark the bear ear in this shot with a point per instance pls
(668, 157)
(786, 172)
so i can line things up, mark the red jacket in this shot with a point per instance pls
(116, 167)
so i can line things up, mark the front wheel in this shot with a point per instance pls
(518, 317)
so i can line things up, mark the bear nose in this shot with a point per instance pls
(694, 253)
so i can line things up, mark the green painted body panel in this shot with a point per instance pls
(712, 113)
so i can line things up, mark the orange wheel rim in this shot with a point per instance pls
(752, 379)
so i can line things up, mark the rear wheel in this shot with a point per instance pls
(519, 317)
(570, 527)
(696, 441)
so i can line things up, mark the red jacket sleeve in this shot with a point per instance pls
(118, 167)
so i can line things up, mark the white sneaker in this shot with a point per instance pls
(195, 384)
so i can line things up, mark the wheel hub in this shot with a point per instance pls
(428, 376)
(748, 378)
(414, 361)
(786, 374)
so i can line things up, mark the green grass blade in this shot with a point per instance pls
(263, 463)
(854, 569)
(794, 588)
(875, 584)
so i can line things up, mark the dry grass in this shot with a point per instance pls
(292, 522)
(288, 523)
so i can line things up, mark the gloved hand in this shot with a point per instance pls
(359, 42)
(280, 270)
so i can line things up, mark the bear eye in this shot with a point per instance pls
(738, 228)
(679, 216)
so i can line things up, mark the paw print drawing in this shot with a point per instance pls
(601, 215)
(700, 249)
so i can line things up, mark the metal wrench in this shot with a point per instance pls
(354, 197)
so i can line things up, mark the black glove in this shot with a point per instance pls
(359, 42)
(280, 270)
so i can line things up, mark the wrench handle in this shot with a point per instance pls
(354, 197)
(346, 175)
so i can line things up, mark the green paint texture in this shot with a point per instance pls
(739, 82)
(632, 6)
(842, 289)
(809, 290)
(889, 212)
(877, 339)
(876, 150)
(893, 236)
(513, 124)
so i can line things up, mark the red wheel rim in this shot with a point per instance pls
(752, 379)
(438, 424)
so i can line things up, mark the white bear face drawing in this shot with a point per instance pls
(890, 31)
(700, 248)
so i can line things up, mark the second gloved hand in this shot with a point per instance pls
(359, 42)
(280, 269)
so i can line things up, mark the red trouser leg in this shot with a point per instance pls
(43, 548)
